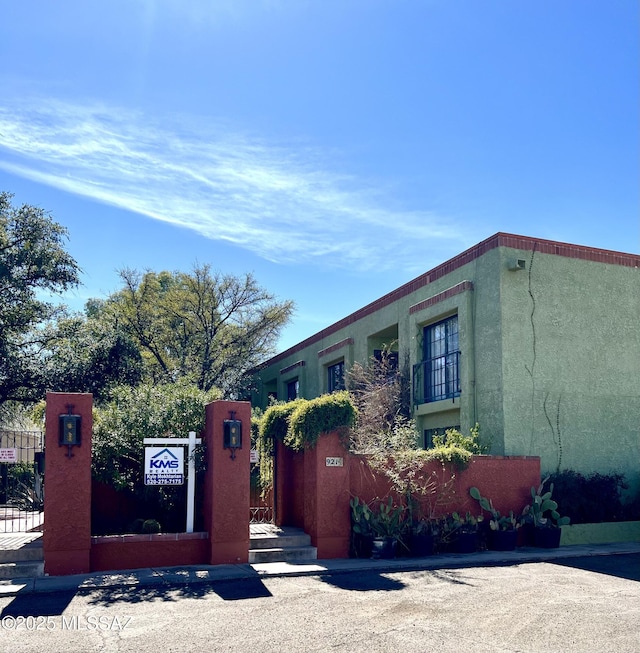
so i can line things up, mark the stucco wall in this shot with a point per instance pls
(507, 481)
(140, 551)
(571, 363)
(550, 354)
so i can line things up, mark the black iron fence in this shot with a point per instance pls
(21, 481)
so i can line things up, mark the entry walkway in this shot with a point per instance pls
(10, 541)
(13, 520)
(172, 576)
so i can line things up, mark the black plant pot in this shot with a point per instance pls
(361, 545)
(547, 538)
(422, 545)
(528, 535)
(466, 543)
(383, 548)
(503, 540)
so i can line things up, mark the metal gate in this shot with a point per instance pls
(261, 501)
(21, 481)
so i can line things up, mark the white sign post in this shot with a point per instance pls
(191, 442)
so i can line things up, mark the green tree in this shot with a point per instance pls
(120, 426)
(90, 355)
(207, 327)
(32, 261)
(146, 411)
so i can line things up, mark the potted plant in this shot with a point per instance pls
(543, 514)
(423, 533)
(459, 533)
(503, 534)
(361, 528)
(386, 524)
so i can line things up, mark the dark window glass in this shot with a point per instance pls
(441, 360)
(335, 378)
(389, 358)
(293, 388)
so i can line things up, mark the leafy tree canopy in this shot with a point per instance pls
(32, 260)
(90, 355)
(132, 414)
(206, 327)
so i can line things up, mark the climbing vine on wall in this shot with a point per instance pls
(299, 424)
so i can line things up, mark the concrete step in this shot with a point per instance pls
(279, 541)
(283, 554)
(31, 552)
(270, 543)
(12, 570)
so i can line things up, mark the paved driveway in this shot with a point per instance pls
(590, 605)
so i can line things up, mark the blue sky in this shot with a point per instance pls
(334, 148)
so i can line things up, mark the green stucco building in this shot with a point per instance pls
(537, 341)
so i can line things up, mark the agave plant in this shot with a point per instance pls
(361, 517)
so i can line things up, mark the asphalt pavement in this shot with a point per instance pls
(194, 574)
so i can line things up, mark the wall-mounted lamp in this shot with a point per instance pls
(70, 431)
(232, 434)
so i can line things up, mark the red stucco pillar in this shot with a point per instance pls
(326, 497)
(67, 497)
(227, 482)
(288, 477)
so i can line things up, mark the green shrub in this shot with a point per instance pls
(275, 422)
(470, 443)
(449, 455)
(272, 426)
(151, 526)
(589, 499)
(316, 416)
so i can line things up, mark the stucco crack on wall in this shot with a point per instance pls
(531, 370)
(555, 432)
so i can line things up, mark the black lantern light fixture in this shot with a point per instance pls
(232, 434)
(70, 431)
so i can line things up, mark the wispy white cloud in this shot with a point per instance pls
(282, 203)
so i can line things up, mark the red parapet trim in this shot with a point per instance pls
(284, 370)
(338, 345)
(450, 292)
(494, 457)
(500, 239)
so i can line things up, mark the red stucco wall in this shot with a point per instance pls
(137, 551)
(227, 485)
(506, 480)
(67, 500)
(290, 486)
(326, 501)
(326, 490)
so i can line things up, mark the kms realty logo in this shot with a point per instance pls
(163, 466)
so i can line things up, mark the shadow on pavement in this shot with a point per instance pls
(622, 566)
(369, 580)
(42, 605)
(228, 590)
(363, 581)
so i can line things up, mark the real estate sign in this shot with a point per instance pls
(163, 466)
